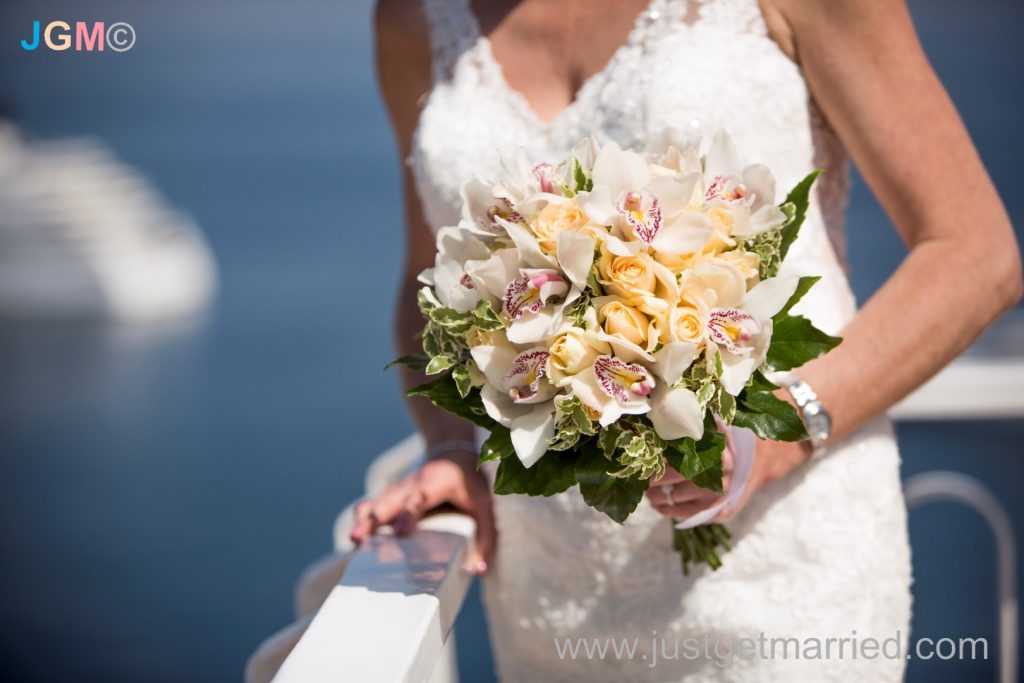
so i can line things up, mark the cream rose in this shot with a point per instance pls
(554, 218)
(572, 352)
(719, 284)
(618, 319)
(689, 323)
(627, 276)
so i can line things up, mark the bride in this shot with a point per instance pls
(820, 540)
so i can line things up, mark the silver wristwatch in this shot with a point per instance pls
(812, 411)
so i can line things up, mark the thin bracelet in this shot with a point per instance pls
(445, 447)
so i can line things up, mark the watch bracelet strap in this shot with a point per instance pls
(806, 401)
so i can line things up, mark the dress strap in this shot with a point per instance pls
(453, 29)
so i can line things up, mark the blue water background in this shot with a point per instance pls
(161, 490)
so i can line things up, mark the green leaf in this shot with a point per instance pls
(800, 198)
(577, 310)
(726, 405)
(486, 318)
(444, 394)
(438, 364)
(802, 287)
(758, 382)
(563, 188)
(463, 380)
(571, 424)
(769, 416)
(415, 361)
(795, 341)
(552, 474)
(617, 497)
(611, 438)
(497, 446)
(700, 461)
(581, 181)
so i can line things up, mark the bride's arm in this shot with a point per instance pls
(449, 475)
(403, 70)
(868, 73)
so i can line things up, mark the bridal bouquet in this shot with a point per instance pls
(611, 314)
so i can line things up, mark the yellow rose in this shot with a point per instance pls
(554, 218)
(571, 354)
(625, 321)
(627, 276)
(689, 323)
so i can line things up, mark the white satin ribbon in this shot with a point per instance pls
(741, 442)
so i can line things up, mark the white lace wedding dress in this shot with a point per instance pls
(821, 554)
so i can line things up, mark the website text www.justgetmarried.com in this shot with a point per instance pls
(723, 652)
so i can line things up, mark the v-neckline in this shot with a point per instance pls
(589, 84)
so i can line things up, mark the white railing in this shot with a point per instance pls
(390, 616)
(384, 612)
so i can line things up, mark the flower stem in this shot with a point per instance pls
(701, 545)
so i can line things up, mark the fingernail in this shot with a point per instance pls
(399, 527)
(481, 567)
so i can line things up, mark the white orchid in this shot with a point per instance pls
(613, 388)
(482, 204)
(675, 411)
(645, 210)
(742, 330)
(458, 252)
(746, 192)
(538, 290)
(518, 395)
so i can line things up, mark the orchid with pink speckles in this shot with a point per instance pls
(604, 315)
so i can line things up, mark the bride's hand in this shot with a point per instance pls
(451, 479)
(675, 496)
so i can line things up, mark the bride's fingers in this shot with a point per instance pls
(411, 512)
(372, 513)
(698, 500)
(679, 493)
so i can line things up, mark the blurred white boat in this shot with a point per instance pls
(84, 236)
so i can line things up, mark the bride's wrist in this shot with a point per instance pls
(779, 458)
(460, 451)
